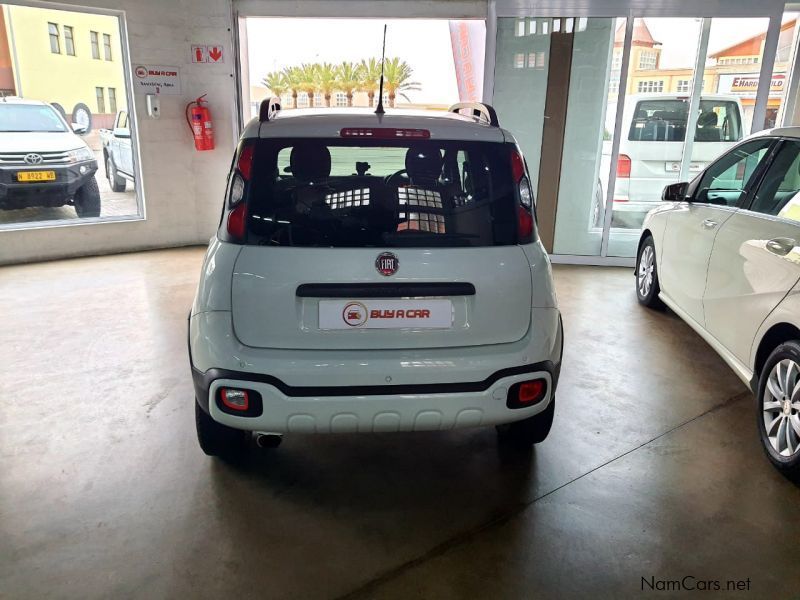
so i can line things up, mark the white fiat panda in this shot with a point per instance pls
(374, 273)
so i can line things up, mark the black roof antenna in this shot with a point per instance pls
(379, 109)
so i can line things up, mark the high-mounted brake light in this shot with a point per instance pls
(237, 223)
(384, 133)
(245, 162)
(624, 166)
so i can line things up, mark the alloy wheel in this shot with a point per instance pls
(644, 274)
(781, 408)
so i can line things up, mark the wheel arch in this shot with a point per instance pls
(776, 335)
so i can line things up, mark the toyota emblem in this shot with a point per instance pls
(33, 159)
(387, 264)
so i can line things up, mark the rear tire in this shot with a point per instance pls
(647, 286)
(87, 200)
(219, 440)
(778, 411)
(533, 430)
(116, 182)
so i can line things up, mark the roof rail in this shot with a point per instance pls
(269, 107)
(483, 112)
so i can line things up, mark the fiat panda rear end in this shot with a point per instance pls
(375, 273)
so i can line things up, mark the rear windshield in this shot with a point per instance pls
(379, 193)
(29, 117)
(665, 121)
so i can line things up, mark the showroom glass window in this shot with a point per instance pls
(61, 107)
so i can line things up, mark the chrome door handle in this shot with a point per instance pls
(781, 246)
(709, 224)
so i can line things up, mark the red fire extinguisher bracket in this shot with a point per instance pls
(198, 117)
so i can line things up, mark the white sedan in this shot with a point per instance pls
(724, 254)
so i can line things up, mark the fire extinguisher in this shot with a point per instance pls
(199, 119)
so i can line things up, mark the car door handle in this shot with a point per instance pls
(781, 246)
(709, 224)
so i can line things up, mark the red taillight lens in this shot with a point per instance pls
(517, 166)
(524, 223)
(526, 393)
(245, 162)
(235, 399)
(384, 133)
(237, 223)
(624, 166)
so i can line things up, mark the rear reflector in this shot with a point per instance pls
(624, 166)
(384, 133)
(235, 399)
(526, 393)
(237, 224)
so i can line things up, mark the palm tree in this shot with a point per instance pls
(293, 79)
(326, 80)
(275, 81)
(396, 77)
(349, 77)
(371, 73)
(308, 80)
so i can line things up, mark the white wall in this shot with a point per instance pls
(183, 188)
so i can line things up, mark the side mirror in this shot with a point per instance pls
(79, 129)
(675, 192)
(121, 132)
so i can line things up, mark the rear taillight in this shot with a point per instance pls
(524, 198)
(237, 223)
(624, 166)
(235, 399)
(526, 393)
(236, 220)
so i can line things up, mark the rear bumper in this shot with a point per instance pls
(391, 390)
(69, 180)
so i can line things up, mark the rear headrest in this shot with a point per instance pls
(310, 162)
(707, 119)
(424, 166)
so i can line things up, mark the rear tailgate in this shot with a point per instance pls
(268, 312)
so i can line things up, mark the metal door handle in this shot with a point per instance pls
(709, 224)
(781, 246)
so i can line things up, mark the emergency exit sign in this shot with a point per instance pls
(207, 54)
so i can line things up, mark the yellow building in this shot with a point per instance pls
(70, 59)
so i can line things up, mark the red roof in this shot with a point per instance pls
(641, 35)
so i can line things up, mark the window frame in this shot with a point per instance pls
(112, 100)
(94, 40)
(69, 40)
(100, 98)
(778, 143)
(107, 47)
(54, 37)
(755, 179)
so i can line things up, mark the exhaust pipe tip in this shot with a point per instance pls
(268, 440)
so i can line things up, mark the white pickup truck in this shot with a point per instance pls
(117, 153)
(42, 162)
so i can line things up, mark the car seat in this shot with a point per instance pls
(707, 130)
(311, 166)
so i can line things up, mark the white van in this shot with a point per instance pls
(651, 148)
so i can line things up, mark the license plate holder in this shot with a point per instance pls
(386, 314)
(34, 176)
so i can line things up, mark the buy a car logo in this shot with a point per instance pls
(355, 314)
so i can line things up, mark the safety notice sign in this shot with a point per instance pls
(152, 79)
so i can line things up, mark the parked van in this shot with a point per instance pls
(651, 148)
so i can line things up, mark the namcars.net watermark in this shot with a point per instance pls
(690, 583)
